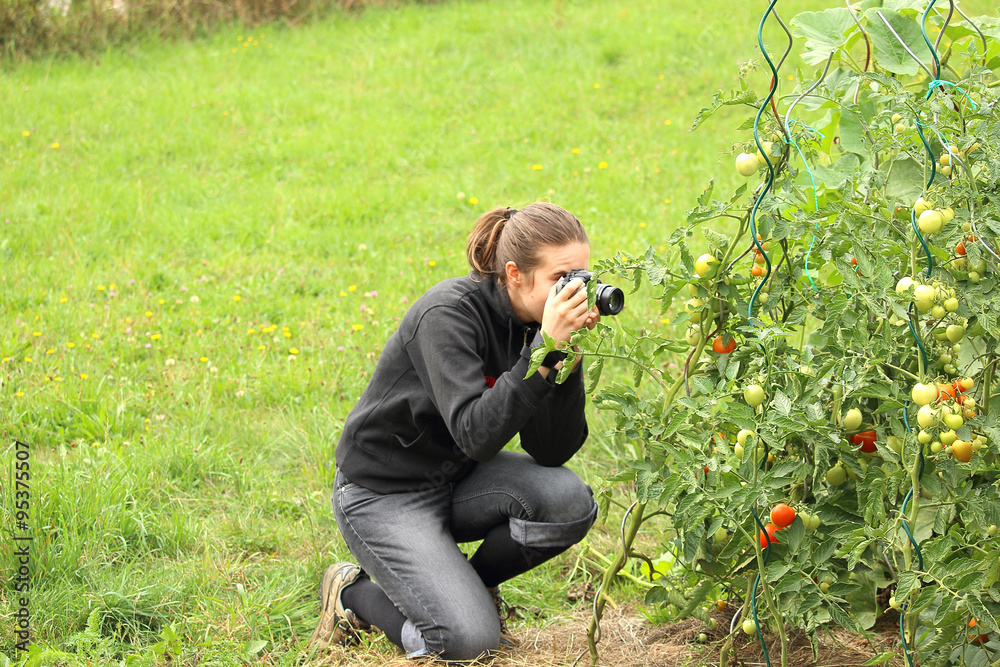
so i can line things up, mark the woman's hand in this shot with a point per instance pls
(567, 311)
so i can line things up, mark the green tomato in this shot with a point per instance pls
(706, 264)
(749, 627)
(955, 332)
(923, 394)
(836, 475)
(904, 284)
(930, 222)
(992, 531)
(953, 422)
(924, 296)
(927, 416)
(742, 436)
(747, 164)
(852, 420)
(754, 395)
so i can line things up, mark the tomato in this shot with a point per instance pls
(747, 164)
(962, 450)
(757, 271)
(753, 395)
(904, 284)
(705, 264)
(946, 391)
(960, 248)
(771, 529)
(922, 394)
(749, 627)
(866, 440)
(852, 420)
(782, 515)
(977, 638)
(722, 346)
(992, 531)
(895, 604)
(924, 296)
(836, 475)
(720, 605)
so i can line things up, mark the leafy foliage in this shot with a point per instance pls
(825, 330)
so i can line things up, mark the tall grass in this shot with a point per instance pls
(205, 245)
(34, 28)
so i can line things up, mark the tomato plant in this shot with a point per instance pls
(860, 313)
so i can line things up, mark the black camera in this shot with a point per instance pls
(610, 300)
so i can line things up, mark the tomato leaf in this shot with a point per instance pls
(782, 403)
(842, 618)
(906, 583)
(880, 659)
(594, 373)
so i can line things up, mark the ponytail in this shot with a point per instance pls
(481, 247)
(520, 236)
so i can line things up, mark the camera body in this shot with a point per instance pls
(610, 300)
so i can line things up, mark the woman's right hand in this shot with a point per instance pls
(566, 311)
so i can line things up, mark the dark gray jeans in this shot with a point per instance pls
(408, 543)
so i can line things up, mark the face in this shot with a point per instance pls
(528, 293)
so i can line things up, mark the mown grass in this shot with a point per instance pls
(204, 246)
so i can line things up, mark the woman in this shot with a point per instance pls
(421, 464)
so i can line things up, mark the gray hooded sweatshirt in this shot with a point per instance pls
(449, 391)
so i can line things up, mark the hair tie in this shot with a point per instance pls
(509, 213)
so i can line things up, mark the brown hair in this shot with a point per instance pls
(510, 235)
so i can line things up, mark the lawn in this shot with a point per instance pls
(204, 246)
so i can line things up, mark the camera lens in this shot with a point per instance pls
(610, 299)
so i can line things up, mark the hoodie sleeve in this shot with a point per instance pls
(443, 349)
(558, 428)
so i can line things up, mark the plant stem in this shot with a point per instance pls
(609, 574)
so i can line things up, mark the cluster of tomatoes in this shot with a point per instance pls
(944, 408)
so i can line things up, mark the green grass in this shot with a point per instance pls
(204, 246)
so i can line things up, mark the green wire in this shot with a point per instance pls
(794, 143)
(770, 166)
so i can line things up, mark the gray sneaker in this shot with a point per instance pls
(337, 625)
(505, 612)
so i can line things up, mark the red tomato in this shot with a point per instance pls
(757, 271)
(782, 515)
(722, 346)
(960, 248)
(948, 392)
(771, 530)
(866, 440)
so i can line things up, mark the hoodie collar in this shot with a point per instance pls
(498, 300)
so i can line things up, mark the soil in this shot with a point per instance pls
(629, 640)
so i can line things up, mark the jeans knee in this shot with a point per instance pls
(566, 500)
(467, 639)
